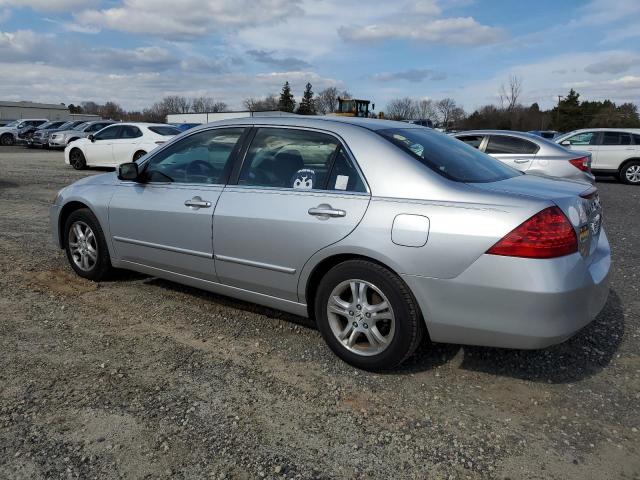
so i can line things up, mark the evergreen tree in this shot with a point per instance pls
(307, 104)
(286, 103)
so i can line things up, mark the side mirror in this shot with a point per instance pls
(128, 171)
(565, 143)
(91, 138)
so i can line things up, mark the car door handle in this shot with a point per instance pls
(326, 211)
(197, 202)
(521, 160)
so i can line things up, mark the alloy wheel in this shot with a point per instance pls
(361, 317)
(633, 174)
(83, 246)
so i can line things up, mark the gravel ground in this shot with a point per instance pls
(144, 378)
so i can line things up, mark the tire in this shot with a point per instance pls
(7, 140)
(98, 265)
(77, 160)
(400, 327)
(138, 155)
(630, 173)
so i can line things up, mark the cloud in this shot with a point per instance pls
(414, 75)
(449, 31)
(193, 18)
(22, 45)
(286, 63)
(614, 64)
(5, 14)
(49, 5)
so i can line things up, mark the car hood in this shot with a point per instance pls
(5, 129)
(101, 179)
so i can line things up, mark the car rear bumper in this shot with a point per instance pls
(514, 302)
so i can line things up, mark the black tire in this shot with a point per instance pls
(409, 325)
(138, 155)
(630, 173)
(7, 140)
(77, 160)
(102, 267)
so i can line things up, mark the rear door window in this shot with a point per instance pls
(504, 144)
(129, 131)
(472, 140)
(584, 138)
(167, 131)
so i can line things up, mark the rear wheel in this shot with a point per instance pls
(7, 140)
(77, 160)
(630, 173)
(85, 245)
(367, 315)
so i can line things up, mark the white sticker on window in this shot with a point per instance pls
(341, 182)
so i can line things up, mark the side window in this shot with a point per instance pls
(636, 139)
(129, 131)
(288, 158)
(344, 175)
(585, 138)
(610, 138)
(473, 140)
(625, 139)
(199, 158)
(108, 133)
(510, 145)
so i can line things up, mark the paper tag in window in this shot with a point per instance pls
(341, 182)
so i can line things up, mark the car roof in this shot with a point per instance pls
(621, 129)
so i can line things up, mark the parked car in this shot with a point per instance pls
(40, 137)
(63, 138)
(548, 134)
(530, 153)
(381, 231)
(116, 144)
(613, 150)
(26, 133)
(9, 133)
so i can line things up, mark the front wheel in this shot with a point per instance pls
(7, 140)
(85, 245)
(77, 160)
(367, 315)
(630, 173)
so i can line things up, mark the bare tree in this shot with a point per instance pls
(267, 104)
(510, 94)
(176, 104)
(207, 105)
(401, 109)
(449, 112)
(426, 110)
(327, 100)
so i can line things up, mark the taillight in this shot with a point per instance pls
(548, 234)
(582, 163)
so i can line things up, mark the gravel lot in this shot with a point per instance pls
(143, 378)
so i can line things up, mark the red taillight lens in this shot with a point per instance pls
(582, 163)
(548, 234)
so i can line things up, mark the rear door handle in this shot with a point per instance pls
(326, 211)
(521, 160)
(197, 202)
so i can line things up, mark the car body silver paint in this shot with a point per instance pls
(465, 295)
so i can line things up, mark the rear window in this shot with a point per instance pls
(504, 144)
(165, 131)
(447, 156)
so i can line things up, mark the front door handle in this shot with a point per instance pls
(326, 211)
(521, 160)
(197, 202)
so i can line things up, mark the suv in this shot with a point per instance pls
(9, 133)
(62, 138)
(613, 150)
(40, 137)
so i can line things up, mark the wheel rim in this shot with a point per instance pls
(76, 159)
(361, 317)
(83, 246)
(633, 173)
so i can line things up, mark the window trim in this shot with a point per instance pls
(224, 178)
(235, 176)
(488, 140)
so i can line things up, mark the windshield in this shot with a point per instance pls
(12, 124)
(448, 156)
(44, 125)
(81, 126)
(64, 125)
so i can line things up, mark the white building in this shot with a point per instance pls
(10, 111)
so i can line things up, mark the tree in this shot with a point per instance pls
(111, 110)
(449, 112)
(307, 104)
(207, 105)
(509, 95)
(176, 104)
(75, 108)
(327, 100)
(401, 109)
(286, 102)
(90, 108)
(425, 110)
(267, 104)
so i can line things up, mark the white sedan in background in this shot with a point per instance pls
(116, 144)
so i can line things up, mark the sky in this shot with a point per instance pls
(135, 52)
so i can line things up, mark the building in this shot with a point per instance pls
(215, 116)
(10, 111)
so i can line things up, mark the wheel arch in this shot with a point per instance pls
(140, 150)
(626, 162)
(67, 210)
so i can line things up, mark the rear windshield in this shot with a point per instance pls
(448, 156)
(165, 131)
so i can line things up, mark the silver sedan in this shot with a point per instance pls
(383, 232)
(531, 153)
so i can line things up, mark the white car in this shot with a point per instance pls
(116, 144)
(613, 150)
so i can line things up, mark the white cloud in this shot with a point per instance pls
(192, 18)
(49, 5)
(413, 75)
(616, 63)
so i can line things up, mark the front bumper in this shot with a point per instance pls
(57, 142)
(515, 302)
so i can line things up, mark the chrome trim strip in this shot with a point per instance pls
(251, 263)
(195, 253)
